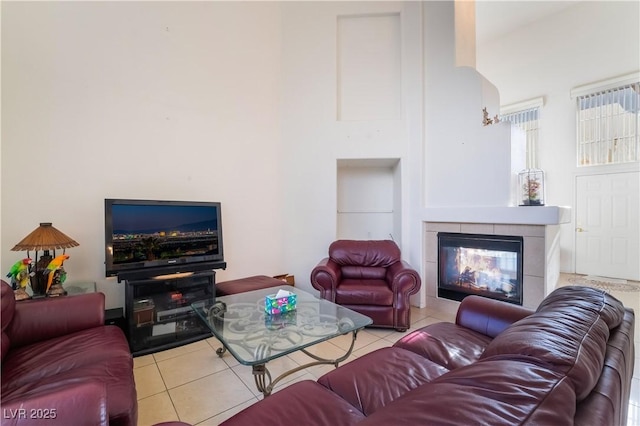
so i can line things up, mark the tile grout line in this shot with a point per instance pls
(166, 389)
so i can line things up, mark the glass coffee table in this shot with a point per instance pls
(254, 337)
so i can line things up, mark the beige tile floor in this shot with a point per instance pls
(192, 384)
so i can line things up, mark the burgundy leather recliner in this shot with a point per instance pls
(368, 277)
(62, 366)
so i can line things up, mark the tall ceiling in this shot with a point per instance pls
(497, 18)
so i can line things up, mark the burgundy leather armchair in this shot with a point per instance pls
(368, 277)
(62, 365)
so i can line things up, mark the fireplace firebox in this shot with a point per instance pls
(485, 265)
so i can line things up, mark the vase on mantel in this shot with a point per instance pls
(531, 187)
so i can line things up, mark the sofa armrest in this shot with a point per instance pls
(69, 404)
(488, 316)
(42, 319)
(403, 279)
(325, 277)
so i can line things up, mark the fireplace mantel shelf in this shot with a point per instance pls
(525, 215)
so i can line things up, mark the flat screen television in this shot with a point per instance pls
(151, 234)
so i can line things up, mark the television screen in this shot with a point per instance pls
(143, 234)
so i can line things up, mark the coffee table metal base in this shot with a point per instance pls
(262, 376)
(254, 337)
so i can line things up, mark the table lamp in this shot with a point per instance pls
(44, 238)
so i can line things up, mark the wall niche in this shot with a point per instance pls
(368, 199)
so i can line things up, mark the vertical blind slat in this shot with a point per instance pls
(607, 126)
(527, 120)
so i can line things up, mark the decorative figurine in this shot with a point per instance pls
(19, 275)
(485, 117)
(54, 266)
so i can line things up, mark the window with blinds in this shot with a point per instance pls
(526, 116)
(607, 124)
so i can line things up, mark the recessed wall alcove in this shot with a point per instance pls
(368, 199)
(369, 69)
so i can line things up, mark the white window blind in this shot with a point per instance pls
(527, 119)
(607, 125)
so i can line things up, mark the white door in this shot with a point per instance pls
(608, 225)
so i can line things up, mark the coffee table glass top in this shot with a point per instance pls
(255, 337)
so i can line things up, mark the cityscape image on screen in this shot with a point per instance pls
(147, 233)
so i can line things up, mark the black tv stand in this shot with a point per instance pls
(145, 273)
(158, 306)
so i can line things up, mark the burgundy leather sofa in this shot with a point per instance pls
(369, 277)
(62, 366)
(568, 363)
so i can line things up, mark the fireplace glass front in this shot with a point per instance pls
(485, 265)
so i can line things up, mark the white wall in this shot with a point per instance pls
(150, 100)
(237, 102)
(587, 42)
(466, 163)
(315, 136)
(232, 102)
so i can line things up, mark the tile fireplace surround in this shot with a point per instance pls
(541, 249)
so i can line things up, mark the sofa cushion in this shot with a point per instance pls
(364, 292)
(568, 332)
(610, 309)
(43, 319)
(303, 403)
(380, 377)
(607, 401)
(492, 392)
(446, 344)
(364, 252)
(363, 272)
(78, 402)
(99, 353)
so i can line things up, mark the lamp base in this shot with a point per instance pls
(39, 278)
